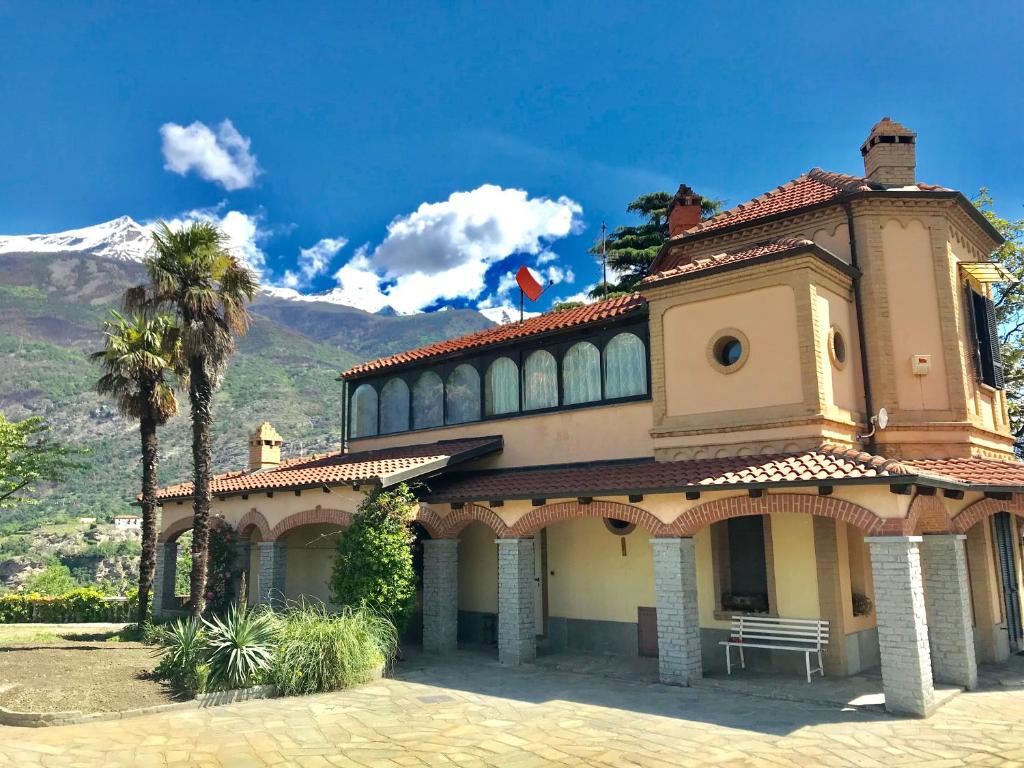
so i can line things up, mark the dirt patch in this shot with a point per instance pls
(83, 675)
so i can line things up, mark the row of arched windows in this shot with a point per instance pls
(588, 375)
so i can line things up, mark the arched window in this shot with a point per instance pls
(581, 373)
(625, 366)
(463, 395)
(427, 401)
(501, 387)
(364, 411)
(540, 381)
(394, 406)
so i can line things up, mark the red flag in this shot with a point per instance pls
(528, 283)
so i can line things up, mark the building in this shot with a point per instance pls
(624, 477)
(128, 522)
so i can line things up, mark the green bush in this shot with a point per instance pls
(55, 579)
(78, 605)
(183, 645)
(373, 568)
(239, 648)
(320, 651)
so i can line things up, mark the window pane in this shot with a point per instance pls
(540, 381)
(581, 373)
(748, 571)
(625, 366)
(501, 387)
(394, 406)
(364, 411)
(463, 395)
(428, 401)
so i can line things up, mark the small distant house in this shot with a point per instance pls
(125, 522)
(87, 520)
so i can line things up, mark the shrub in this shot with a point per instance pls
(82, 604)
(56, 579)
(183, 645)
(320, 651)
(239, 648)
(373, 568)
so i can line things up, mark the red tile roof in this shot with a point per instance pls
(678, 263)
(549, 321)
(645, 475)
(974, 471)
(386, 466)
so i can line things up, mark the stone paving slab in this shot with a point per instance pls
(462, 711)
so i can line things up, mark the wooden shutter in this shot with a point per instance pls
(972, 325)
(998, 380)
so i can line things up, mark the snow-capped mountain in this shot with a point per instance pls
(122, 239)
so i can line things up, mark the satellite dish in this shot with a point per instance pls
(882, 418)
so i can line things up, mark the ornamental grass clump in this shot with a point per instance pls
(321, 651)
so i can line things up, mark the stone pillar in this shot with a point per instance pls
(440, 595)
(947, 596)
(163, 579)
(242, 551)
(902, 625)
(273, 559)
(517, 629)
(675, 590)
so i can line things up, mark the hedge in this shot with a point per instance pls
(85, 604)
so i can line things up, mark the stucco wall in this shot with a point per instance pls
(796, 576)
(311, 551)
(478, 569)
(841, 381)
(592, 579)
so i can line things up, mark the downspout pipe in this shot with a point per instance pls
(858, 305)
(344, 415)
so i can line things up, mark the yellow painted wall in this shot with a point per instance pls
(771, 374)
(834, 237)
(592, 580)
(842, 384)
(914, 315)
(796, 575)
(478, 569)
(311, 550)
(706, 598)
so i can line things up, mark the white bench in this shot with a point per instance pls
(804, 636)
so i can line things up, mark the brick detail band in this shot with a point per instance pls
(709, 512)
(254, 519)
(316, 516)
(535, 519)
(979, 510)
(450, 526)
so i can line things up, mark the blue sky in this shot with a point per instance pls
(549, 117)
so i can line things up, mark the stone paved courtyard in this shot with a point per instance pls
(469, 712)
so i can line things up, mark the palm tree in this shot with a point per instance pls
(139, 352)
(193, 275)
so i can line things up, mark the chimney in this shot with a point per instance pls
(683, 211)
(890, 155)
(264, 447)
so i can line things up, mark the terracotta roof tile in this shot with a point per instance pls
(387, 466)
(549, 321)
(826, 463)
(678, 264)
(974, 471)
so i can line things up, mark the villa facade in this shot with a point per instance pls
(624, 477)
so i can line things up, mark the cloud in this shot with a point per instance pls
(314, 261)
(244, 231)
(222, 157)
(442, 251)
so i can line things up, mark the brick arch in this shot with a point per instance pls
(983, 508)
(536, 519)
(709, 512)
(316, 516)
(927, 514)
(450, 526)
(178, 527)
(254, 519)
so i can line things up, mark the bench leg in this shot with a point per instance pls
(821, 664)
(743, 659)
(728, 660)
(807, 660)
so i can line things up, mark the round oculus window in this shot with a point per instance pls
(619, 527)
(728, 351)
(837, 347)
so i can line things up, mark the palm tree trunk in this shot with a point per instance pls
(147, 563)
(200, 394)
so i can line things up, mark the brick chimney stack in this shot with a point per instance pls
(264, 447)
(683, 211)
(890, 154)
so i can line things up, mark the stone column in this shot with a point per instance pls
(947, 596)
(675, 590)
(902, 625)
(242, 551)
(440, 595)
(163, 579)
(273, 559)
(517, 629)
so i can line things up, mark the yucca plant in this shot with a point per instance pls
(239, 648)
(182, 644)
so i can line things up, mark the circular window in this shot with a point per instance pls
(837, 347)
(619, 527)
(728, 350)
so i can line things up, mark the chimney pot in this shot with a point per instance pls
(890, 154)
(683, 211)
(264, 447)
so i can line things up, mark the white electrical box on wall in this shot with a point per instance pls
(921, 364)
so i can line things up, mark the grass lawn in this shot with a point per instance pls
(75, 667)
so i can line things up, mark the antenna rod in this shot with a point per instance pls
(604, 259)
(521, 304)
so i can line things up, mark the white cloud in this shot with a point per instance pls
(314, 261)
(223, 157)
(244, 232)
(442, 251)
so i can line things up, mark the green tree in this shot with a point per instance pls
(193, 275)
(139, 355)
(55, 580)
(1009, 301)
(373, 568)
(28, 457)
(631, 249)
